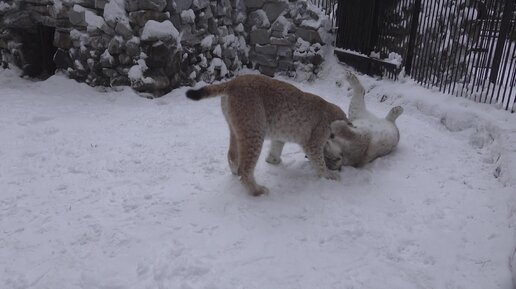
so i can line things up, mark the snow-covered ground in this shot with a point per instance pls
(111, 190)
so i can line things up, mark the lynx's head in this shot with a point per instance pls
(346, 145)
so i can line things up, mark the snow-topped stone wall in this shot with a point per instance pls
(157, 45)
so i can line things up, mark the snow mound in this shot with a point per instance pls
(154, 30)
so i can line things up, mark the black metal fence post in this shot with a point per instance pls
(416, 10)
(502, 37)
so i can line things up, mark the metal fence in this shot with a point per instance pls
(462, 47)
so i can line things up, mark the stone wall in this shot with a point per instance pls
(157, 45)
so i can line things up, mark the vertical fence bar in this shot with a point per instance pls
(504, 33)
(502, 36)
(422, 47)
(482, 61)
(507, 74)
(448, 38)
(469, 62)
(430, 75)
(426, 41)
(413, 34)
(491, 36)
(455, 48)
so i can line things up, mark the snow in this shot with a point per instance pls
(93, 20)
(154, 30)
(137, 70)
(111, 190)
(188, 16)
(6, 7)
(217, 63)
(394, 58)
(107, 56)
(114, 11)
(217, 51)
(207, 41)
(285, 24)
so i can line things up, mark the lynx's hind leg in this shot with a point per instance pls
(233, 152)
(249, 148)
(274, 156)
(248, 123)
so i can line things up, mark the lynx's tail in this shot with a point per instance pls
(206, 91)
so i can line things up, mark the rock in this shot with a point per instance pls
(124, 29)
(258, 19)
(115, 45)
(181, 5)
(173, 63)
(176, 20)
(188, 17)
(267, 70)
(62, 39)
(309, 35)
(263, 59)
(254, 3)
(224, 8)
(286, 65)
(124, 59)
(107, 29)
(21, 20)
(285, 51)
(120, 81)
(62, 59)
(229, 53)
(107, 60)
(212, 26)
(98, 42)
(284, 41)
(200, 4)
(266, 49)
(111, 73)
(164, 31)
(154, 5)
(157, 56)
(189, 38)
(100, 4)
(141, 17)
(260, 36)
(77, 17)
(222, 31)
(132, 47)
(274, 9)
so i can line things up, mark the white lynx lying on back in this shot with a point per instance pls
(258, 107)
(372, 136)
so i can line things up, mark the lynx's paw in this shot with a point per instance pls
(332, 175)
(273, 160)
(260, 190)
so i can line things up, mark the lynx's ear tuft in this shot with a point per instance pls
(341, 129)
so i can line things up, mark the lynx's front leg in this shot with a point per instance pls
(314, 150)
(274, 156)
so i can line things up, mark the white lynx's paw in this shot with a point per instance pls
(352, 78)
(273, 160)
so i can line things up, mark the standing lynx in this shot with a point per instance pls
(258, 107)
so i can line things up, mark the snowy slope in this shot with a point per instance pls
(110, 190)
